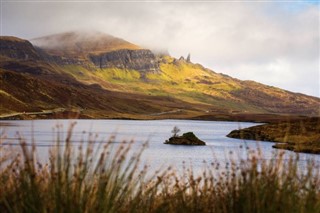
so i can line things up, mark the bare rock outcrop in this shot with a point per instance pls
(142, 60)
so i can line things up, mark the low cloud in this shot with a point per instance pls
(273, 43)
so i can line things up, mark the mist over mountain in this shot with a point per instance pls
(75, 43)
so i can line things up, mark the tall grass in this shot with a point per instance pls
(103, 176)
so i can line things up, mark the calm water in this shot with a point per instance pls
(218, 148)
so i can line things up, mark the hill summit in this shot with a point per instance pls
(77, 43)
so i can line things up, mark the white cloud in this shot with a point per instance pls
(272, 43)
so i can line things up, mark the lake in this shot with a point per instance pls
(219, 148)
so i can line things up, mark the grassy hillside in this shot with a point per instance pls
(27, 93)
(195, 84)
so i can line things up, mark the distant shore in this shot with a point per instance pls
(62, 113)
(300, 135)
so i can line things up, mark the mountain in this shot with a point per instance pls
(104, 76)
(32, 83)
(79, 44)
(94, 48)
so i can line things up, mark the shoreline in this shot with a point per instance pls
(177, 114)
(302, 135)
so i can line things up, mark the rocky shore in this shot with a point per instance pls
(297, 135)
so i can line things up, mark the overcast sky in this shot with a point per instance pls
(269, 42)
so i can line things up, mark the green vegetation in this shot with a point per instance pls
(191, 83)
(185, 81)
(104, 177)
(119, 75)
(301, 135)
(181, 80)
(190, 136)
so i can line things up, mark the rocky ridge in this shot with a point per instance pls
(17, 48)
(142, 60)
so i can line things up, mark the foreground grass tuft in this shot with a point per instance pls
(107, 177)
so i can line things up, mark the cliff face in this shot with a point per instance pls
(142, 60)
(74, 48)
(16, 48)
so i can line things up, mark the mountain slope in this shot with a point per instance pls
(32, 84)
(110, 77)
(195, 84)
(21, 92)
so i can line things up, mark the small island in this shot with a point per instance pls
(188, 138)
